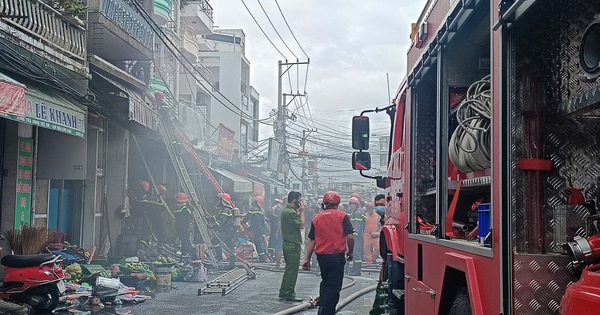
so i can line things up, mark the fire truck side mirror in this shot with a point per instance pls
(361, 161)
(589, 51)
(360, 133)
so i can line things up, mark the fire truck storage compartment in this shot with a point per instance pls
(465, 112)
(553, 115)
(437, 96)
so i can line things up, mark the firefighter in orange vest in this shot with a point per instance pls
(371, 234)
(331, 235)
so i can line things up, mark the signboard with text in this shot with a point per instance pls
(226, 142)
(51, 116)
(12, 99)
(24, 178)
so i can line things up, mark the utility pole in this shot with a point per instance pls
(279, 127)
(304, 178)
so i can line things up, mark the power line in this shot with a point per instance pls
(268, 18)
(263, 31)
(288, 25)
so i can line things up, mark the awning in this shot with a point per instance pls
(46, 108)
(139, 111)
(240, 184)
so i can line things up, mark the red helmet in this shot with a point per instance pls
(181, 198)
(279, 201)
(331, 197)
(354, 200)
(145, 185)
(161, 189)
(259, 200)
(356, 195)
(226, 199)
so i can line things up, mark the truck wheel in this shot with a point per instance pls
(461, 304)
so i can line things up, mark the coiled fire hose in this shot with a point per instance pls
(470, 144)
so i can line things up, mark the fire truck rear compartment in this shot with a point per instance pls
(553, 115)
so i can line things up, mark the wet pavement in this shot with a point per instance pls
(258, 296)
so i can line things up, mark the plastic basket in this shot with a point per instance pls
(484, 222)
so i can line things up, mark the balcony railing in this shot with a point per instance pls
(189, 42)
(41, 21)
(129, 19)
(205, 7)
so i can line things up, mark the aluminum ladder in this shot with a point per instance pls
(197, 211)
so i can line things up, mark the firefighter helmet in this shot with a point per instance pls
(279, 201)
(331, 198)
(260, 201)
(356, 195)
(354, 200)
(161, 189)
(226, 199)
(145, 185)
(181, 198)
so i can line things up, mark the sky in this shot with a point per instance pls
(353, 46)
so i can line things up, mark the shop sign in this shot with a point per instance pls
(12, 99)
(24, 178)
(51, 116)
(225, 144)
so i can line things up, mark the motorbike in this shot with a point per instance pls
(36, 280)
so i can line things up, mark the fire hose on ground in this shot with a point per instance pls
(340, 305)
(307, 305)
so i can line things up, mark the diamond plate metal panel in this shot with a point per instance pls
(540, 282)
(425, 150)
(546, 43)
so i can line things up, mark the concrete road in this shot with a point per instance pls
(259, 296)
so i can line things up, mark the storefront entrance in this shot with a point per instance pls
(65, 204)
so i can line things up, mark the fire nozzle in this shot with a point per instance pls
(584, 251)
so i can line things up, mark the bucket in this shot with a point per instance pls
(484, 214)
(163, 279)
(106, 289)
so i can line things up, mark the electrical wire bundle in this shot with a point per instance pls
(470, 143)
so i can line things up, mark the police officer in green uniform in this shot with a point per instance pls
(292, 220)
(183, 218)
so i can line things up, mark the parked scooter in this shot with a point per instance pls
(33, 279)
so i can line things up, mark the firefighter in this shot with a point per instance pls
(331, 235)
(183, 218)
(275, 241)
(371, 234)
(380, 205)
(258, 226)
(226, 228)
(358, 222)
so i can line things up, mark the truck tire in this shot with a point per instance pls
(461, 304)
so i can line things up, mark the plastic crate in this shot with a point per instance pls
(133, 281)
(484, 222)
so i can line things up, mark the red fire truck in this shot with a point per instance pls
(494, 161)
